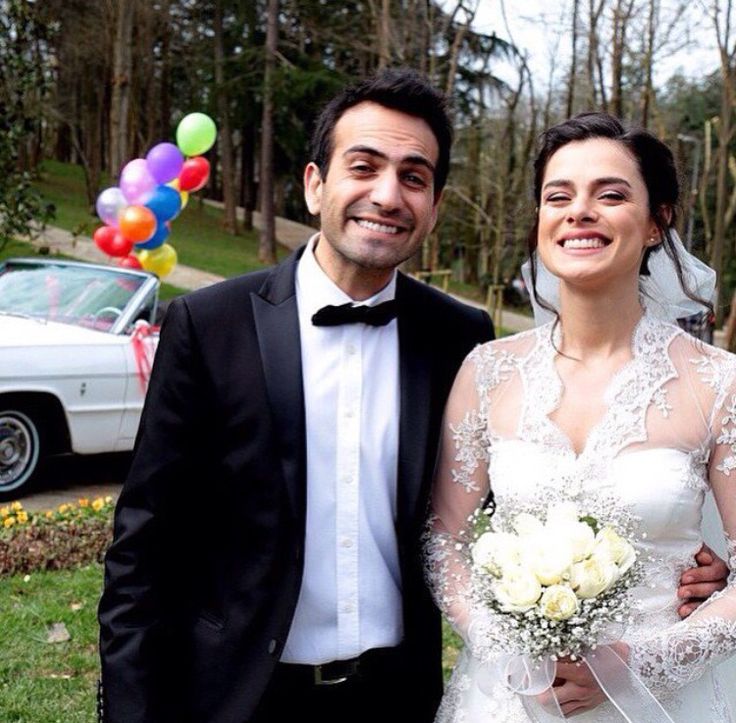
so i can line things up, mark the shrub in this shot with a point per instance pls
(71, 535)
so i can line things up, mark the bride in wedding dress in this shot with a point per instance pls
(608, 405)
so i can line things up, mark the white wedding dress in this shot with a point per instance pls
(667, 435)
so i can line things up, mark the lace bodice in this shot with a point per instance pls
(666, 433)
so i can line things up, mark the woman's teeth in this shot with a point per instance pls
(583, 243)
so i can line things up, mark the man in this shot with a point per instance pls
(271, 520)
(266, 563)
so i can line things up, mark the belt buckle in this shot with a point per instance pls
(321, 679)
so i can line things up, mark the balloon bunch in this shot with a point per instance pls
(151, 193)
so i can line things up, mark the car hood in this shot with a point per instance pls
(18, 331)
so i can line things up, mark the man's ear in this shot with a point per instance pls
(435, 209)
(313, 188)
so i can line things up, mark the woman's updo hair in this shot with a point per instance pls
(656, 165)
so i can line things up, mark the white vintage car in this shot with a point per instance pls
(76, 345)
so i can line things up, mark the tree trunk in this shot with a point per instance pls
(230, 221)
(267, 246)
(384, 52)
(648, 63)
(573, 60)
(247, 177)
(121, 77)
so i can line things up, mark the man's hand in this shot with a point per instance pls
(575, 688)
(699, 583)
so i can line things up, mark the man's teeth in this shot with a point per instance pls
(372, 226)
(583, 243)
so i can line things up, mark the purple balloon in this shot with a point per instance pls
(109, 205)
(136, 181)
(164, 162)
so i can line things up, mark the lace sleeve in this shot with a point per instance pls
(461, 486)
(680, 654)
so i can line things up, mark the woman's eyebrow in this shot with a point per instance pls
(604, 181)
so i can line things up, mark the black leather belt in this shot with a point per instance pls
(337, 671)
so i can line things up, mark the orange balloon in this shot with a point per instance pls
(137, 223)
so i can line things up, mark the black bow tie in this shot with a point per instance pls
(378, 315)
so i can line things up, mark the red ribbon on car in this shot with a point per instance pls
(143, 351)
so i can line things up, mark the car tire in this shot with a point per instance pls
(21, 442)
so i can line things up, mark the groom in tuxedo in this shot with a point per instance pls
(266, 559)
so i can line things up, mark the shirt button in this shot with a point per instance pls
(348, 480)
(349, 413)
(347, 542)
(347, 608)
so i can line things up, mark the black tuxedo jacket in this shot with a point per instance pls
(204, 572)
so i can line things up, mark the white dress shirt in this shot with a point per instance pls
(350, 599)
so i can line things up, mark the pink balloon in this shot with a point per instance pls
(136, 181)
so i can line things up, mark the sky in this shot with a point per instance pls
(534, 25)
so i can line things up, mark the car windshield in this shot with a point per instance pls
(78, 295)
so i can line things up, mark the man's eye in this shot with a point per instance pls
(415, 179)
(361, 168)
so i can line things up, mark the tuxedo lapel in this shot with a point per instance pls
(415, 405)
(277, 327)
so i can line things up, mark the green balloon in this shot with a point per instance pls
(195, 134)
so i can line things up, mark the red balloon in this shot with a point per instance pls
(137, 223)
(112, 242)
(130, 262)
(194, 173)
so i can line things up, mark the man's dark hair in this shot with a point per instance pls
(400, 89)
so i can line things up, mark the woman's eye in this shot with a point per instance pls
(557, 197)
(613, 196)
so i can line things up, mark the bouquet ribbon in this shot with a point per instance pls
(626, 691)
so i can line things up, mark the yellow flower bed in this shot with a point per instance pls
(14, 515)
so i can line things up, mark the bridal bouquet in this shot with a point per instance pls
(557, 582)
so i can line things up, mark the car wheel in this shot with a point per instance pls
(20, 451)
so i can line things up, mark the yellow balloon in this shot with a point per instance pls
(174, 184)
(160, 261)
(184, 199)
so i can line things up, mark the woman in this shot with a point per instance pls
(609, 406)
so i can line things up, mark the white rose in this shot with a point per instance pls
(517, 590)
(558, 602)
(548, 557)
(579, 535)
(527, 525)
(609, 542)
(628, 558)
(495, 551)
(562, 513)
(593, 576)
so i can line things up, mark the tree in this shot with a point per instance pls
(267, 246)
(23, 90)
(122, 73)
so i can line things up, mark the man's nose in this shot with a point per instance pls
(386, 191)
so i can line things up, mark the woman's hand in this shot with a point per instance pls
(575, 687)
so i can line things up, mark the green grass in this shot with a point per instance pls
(196, 234)
(44, 682)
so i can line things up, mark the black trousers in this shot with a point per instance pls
(372, 695)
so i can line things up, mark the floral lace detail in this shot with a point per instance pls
(639, 383)
(472, 448)
(681, 654)
(728, 436)
(731, 552)
(697, 471)
(660, 401)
